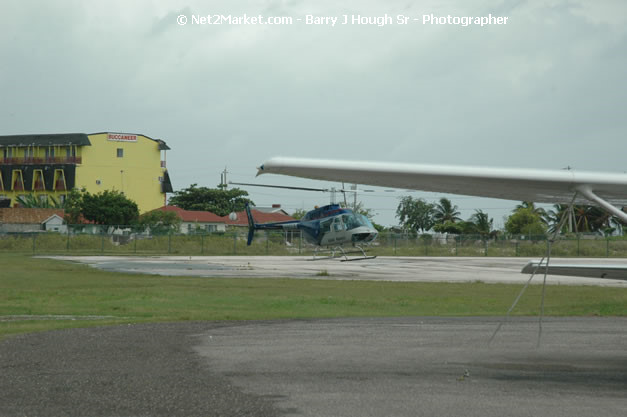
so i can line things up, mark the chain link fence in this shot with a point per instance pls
(124, 241)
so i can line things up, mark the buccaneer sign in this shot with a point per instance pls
(121, 137)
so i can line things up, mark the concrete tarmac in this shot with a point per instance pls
(385, 268)
(341, 367)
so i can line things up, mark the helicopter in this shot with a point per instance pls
(330, 226)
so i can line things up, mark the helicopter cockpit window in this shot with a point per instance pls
(338, 225)
(350, 221)
(325, 226)
(366, 221)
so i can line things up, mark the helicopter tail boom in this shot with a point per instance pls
(252, 226)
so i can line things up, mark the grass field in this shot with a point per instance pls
(39, 290)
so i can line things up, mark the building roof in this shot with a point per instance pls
(259, 216)
(27, 215)
(194, 216)
(79, 139)
(60, 139)
(276, 208)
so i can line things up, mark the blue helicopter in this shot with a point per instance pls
(330, 226)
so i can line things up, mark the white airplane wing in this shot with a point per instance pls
(592, 271)
(541, 186)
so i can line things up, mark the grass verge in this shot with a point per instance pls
(43, 292)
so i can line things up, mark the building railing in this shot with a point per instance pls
(39, 160)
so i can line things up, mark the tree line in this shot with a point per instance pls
(417, 215)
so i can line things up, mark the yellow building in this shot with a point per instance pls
(51, 165)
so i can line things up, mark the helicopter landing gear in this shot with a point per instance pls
(344, 254)
(363, 252)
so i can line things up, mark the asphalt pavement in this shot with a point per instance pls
(342, 367)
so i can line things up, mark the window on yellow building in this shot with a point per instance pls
(120, 153)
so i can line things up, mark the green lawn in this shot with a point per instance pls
(41, 287)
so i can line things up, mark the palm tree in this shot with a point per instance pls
(30, 201)
(537, 210)
(482, 221)
(599, 219)
(554, 217)
(445, 211)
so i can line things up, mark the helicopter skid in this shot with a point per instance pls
(358, 259)
(343, 254)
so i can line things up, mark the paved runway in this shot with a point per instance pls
(344, 367)
(419, 269)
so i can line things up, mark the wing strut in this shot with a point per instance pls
(587, 192)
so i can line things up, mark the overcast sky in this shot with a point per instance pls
(545, 90)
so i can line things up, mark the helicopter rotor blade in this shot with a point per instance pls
(281, 186)
(326, 190)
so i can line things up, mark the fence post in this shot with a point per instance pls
(169, 242)
(68, 240)
(267, 242)
(234, 242)
(577, 244)
(456, 245)
(607, 247)
(135, 243)
(486, 247)
(517, 253)
(101, 242)
(34, 235)
(300, 240)
(395, 244)
(426, 248)
(202, 244)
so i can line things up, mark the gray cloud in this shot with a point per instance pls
(546, 90)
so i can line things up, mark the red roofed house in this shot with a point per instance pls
(261, 215)
(195, 221)
(23, 220)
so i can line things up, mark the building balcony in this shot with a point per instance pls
(40, 161)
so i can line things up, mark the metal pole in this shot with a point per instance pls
(607, 247)
(169, 242)
(34, 235)
(394, 243)
(234, 242)
(202, 244)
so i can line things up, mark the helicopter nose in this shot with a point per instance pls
(363, 237)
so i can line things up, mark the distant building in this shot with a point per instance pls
(261, 215)
(24, 220)
(52, 164)
(197, 221)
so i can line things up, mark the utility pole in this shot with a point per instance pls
(223, 182)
